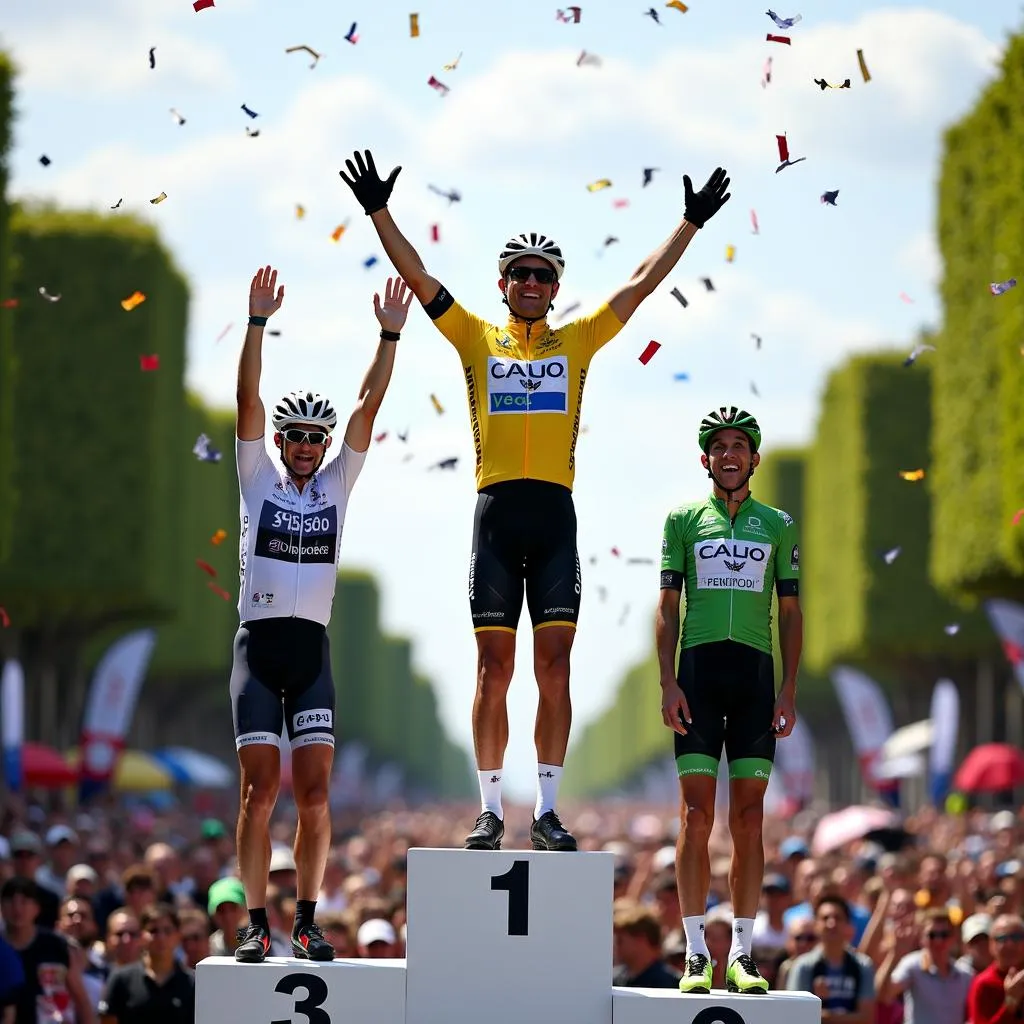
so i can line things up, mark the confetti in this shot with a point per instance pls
(823, 85)
(1018, 516)
(133, 300)
(177, 117)
(730, 253)
(453, 65)
(339, 231)
(206, 567)
(403, 437)
(204, 451)
(572, 18)
(678, 5)
(891, 555)
(351, 35)
(1000, 287)
(308, 49)
(223, 334)
(916, 353)
(9, 304)
(680, 376)
(5, 619)
(610, 240)
(624, 615)
(219, 591)
(620, 204)
(784, 22)
(757, 339)
(300, 211)
(779, 39)
(754, 391)
(679, 297)
(117, 204)
(369, 261)
(251, 113)
(648, 353)
(708, 284)
(152, 57)
(451, 194)
(649, 173)
(784, 154)
(252, 134)
(912, 474)
(596, 186)
(652, 13)
(201, 5)
(639, 561)
(588, 58)
(435, 232)
(865, 74)
(569, 309)
(904, 297)
(830, 197)
(616, 552)
(381, 437)
(218, 537)
(438, 408)
(159, 199)
(766, 73)
(414, 25)
(449, 463)
(438, 86)
(148, 363)
(46, 295)
(45, 160)
(952, 629)
(753, 222)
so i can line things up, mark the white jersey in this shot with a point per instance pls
(288, 549)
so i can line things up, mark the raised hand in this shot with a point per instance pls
(392, 312)
(262, 300)
(370, 191)
(701, 206)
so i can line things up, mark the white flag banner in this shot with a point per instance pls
(866, 712)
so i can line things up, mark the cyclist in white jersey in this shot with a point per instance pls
(292, 517)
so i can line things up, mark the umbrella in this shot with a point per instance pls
(194, 768)
(44, 768)
(849, 824)
(990, 768)
(911, 739)
(136, 772)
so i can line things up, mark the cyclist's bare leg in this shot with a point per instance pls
(495, 660)
(693, 863)
(551, 648)
(260, 765)
(311, 778)
(746, 813)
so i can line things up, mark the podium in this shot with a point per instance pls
(503, 937)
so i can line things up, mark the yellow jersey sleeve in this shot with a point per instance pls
(595, 331)
(460, 327)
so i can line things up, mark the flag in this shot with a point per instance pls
(869, 720)
(945, 714)
(12, 721)
(1007, 620)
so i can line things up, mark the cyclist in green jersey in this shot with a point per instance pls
(727, 551)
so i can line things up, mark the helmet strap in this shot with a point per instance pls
(739, 487)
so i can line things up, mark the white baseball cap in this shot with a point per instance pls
(281, 859)
(61, 834)
(375, 930)
(975, 925)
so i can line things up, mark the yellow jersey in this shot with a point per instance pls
(525, 383)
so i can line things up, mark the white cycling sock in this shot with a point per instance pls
(693, 929)
(490, 791)
(548, 778)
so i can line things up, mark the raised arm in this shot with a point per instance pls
(263, 304)
(372, 193)
(700, 207)
(391, 315)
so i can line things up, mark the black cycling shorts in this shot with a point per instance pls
(281, 676)
(524, 541)
(730, 689)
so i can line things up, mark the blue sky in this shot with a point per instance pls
(521, 133)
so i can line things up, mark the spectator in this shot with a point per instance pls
(638, 957)
(53, 982)
(77, 922)
(769, 930)
(123, 944)
(27, 855)
(282, 871)
(842, 978)
(139, 885)
(338, 933)
(12, 978)
(226, 907)
(376, 938)
(332, 895)
(195, 936)
(81, 882)
(997, 993)
(164, 864)
(665, 891)
(157, 989)
(935, 986)
(62, 846)
(6, 867)
(801, 937)
(718, 936)
(975, 935)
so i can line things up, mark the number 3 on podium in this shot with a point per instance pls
(311, 1006)
(516, 882)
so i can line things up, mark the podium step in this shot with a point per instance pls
(666, 1006)
(283, 990)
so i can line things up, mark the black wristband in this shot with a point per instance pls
(389, 335)
(257, 321)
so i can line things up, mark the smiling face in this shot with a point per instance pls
(303, 447)
(730, 458)
(529, 285)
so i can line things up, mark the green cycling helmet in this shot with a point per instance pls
(719, 419)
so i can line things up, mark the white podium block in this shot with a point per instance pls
(667, 1006)
(283, 990)
(509, 936)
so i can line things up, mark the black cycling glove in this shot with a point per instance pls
(370, 191)
(703, 205)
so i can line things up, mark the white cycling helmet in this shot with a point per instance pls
(304, 407)
(532, 244)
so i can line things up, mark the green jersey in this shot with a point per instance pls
(728, 568)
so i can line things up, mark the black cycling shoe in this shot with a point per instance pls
(487, 833)
(253, 945)
(308, 943)
(548, 833)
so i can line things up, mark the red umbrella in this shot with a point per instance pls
(990, 768)
(45, 768)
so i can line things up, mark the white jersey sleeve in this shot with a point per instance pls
(256, 473)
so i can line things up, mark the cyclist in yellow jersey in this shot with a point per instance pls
(525, 381)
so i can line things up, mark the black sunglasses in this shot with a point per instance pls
(1009, 937)
(810, 937)
(542, 275)
(937, 935)
(296, 436)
